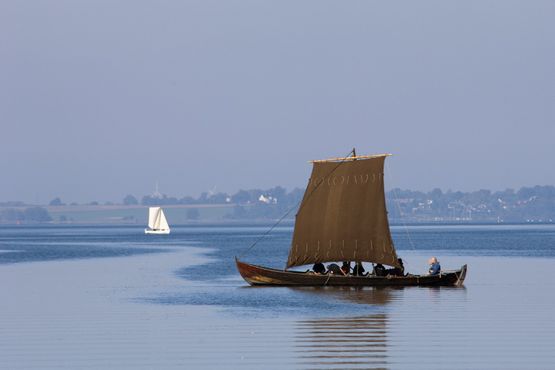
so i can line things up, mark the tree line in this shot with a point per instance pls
(30, 214)
(528, 204)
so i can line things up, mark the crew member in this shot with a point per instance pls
(435, 267)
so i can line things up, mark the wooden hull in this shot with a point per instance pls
(258, 275)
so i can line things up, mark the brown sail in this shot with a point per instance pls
(343, 216)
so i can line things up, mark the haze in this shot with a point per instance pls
(99, 99)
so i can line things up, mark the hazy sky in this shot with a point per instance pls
(102, 98)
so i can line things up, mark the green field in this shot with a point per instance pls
(136, 214)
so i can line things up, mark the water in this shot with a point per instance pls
(111, 297)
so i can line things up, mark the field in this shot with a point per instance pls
(176, 214)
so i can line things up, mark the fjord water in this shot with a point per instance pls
(111, 297)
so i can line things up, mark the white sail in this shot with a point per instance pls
(153, 215)
(157, 223)
(162, 222)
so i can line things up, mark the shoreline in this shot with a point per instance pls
(257, 223)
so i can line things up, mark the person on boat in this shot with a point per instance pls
(359, 269)
(435, 267)
(397, 271)
(319, 268)
(333, 268)
(346, 268)
(379, 270)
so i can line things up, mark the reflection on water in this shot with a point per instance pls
(362, 295)
(345, 342)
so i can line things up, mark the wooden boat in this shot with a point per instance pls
(258, 275)
(343, 217)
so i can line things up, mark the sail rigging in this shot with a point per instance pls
(343, 215)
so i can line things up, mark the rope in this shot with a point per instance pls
(268, 231)
(292, 208)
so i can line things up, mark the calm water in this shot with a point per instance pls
(111, 297)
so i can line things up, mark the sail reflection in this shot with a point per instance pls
(343, 343)
(362, 295)
(347, 342)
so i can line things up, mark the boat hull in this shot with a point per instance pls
(259, 275)
(160, 232)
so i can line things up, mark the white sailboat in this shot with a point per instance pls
(157, 223)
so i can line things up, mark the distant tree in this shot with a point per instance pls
(56, 202)
(193, 214)
(218, 198)
(14, 203)
(37, 214)
(93, 203)
(278, 193)
(241, 197)
(130, 200)
(295, 196)
(203, 198)
(149, 201)
(12, 215)
(187, 200)
(170, 200)
(239, 212)
(436, 194)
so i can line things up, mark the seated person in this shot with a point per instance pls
(359, 269)
(319, 268)
(379, 270)
(435, 267)
(334, 269)
(346, 268)
(397, 271)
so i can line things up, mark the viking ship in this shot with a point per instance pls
(343, 217)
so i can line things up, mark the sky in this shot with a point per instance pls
(99, 99)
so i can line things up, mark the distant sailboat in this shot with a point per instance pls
(157, 223)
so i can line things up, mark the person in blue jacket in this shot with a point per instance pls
(435, 267)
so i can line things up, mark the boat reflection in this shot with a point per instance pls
(343, 343)
(348, 342)
(362, 295)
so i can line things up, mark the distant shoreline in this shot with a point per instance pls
(528, 205)
(259, 223)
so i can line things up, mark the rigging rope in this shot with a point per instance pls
(294, 207)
